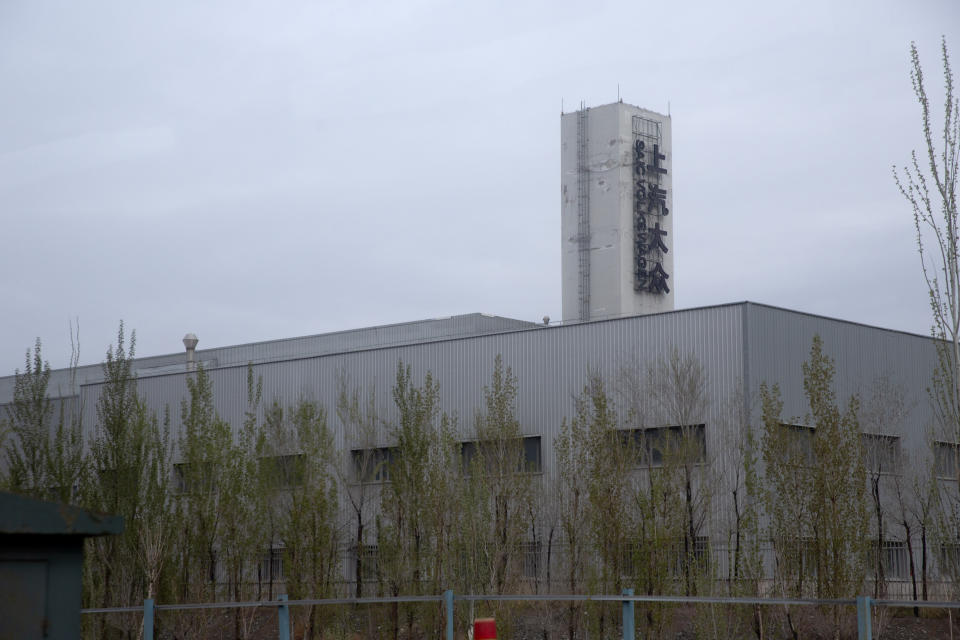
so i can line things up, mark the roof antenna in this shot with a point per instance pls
(668, 107)
(619, 99)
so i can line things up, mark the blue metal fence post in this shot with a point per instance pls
(283, 617)
(864, 631)
(148, 619)
(629, 632)
(448, 606)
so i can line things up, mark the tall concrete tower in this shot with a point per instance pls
(616, 212)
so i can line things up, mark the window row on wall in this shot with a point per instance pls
(530, 560)
(881, 453)
(679, 554)
(892, 555)
(521, 455)
(651, 448)
(529, 556)
(267, 568)
(654, 446)
(282, 472)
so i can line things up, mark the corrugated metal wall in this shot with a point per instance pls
(780, 341)
(738, 345)
(550, 363)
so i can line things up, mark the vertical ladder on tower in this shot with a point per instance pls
(583, 213)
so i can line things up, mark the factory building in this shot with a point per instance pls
(739, 345)
(618, 315)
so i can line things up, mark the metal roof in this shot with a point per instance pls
(414, 332)
(21, 515)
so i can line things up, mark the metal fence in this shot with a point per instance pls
(864, 606)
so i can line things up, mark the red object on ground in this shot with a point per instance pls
(484, 629)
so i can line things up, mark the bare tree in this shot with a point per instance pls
(361, 465)
(67, 463)
(128, 475)
(29, 418)
(608, 460)
(932, 194)
(884, 411)
(911, 514)
(418, 503)
(925, 491)
(498, 485)
(678, 389)
(205, 445)
(741, 449)
(788, 475)
(305, 486)
(571, 502)
(815, 489)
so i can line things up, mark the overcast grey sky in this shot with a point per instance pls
(250, 171)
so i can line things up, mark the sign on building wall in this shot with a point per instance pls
(650, 241)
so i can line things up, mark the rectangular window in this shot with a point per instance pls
(673, 553)
(270, 567)
(799, 442)
(808, 556)
(530, 559)
(373, 465)
(191, 478)
(946, 459)
(797, 556)
(368, 555)
(656, 444)
(526, 450)
(285, 471)
(628, 555)
(881, 454)
(893, 556)
(681, 558)
(216, 569)
(949, 560)
(531, 454)
(468, 451)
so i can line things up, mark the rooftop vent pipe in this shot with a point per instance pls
(190, 342)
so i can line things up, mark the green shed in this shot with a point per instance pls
(41, 557)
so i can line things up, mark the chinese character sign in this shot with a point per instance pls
(649, 208)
